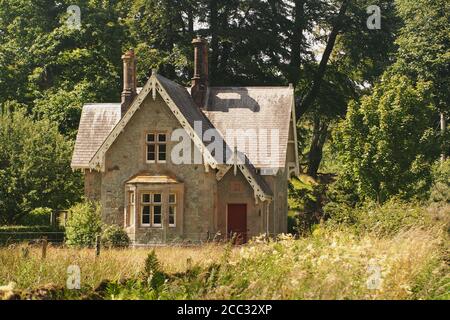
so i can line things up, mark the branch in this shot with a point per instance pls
(317, 81)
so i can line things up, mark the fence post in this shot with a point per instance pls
(44, 246)
(97, 245)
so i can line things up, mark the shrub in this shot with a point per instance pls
(387, 219)
(152, 271)
(114, 236)
(83, 224)
(37, 217)
(440, 191)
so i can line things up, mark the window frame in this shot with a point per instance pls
(156, 143)
(131, 208)
(142, 205)
(151, 204)
(173, 205)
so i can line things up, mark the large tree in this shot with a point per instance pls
(34, 167)
(390, 139)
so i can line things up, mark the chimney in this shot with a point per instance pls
(200, 79)
(129, 80)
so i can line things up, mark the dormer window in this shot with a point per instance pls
(156, 147)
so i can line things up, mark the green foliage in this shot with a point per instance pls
(151, 264)
(301, 192)
(83, 224)
(34, 167)
(387, 219)
(114, 236)
(387, 141)
(440, 191)
(38, 217)
(21, 228)
(152, 271)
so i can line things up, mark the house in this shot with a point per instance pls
(171, 163)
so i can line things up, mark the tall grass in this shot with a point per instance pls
(112, 264)
(336, 262)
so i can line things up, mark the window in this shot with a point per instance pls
(151, 209)
(172, 209)
(156, 147)
(131, 206)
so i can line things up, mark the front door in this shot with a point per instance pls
(237, 222)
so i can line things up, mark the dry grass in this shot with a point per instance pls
(335, 262)
(337, 265)
(113, 264)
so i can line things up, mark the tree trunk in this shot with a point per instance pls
(320, 133)
(297, 41)
(317, 81)
(213, 29)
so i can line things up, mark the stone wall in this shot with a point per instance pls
(236, 190)
(205, 200)
(127, 157)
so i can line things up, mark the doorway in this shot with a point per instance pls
(237, 222)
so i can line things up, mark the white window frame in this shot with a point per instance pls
(151, 204)
(156, 143)
(143, 205)
(131, 207)
(174, 206)
(154, 204)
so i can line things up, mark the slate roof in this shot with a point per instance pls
(192, 113)
(259, 109)
(226, 108)
(96, 122)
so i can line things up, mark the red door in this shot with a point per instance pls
(237, 222)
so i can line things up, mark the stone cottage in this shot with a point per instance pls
(172, 163)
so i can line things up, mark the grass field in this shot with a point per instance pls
(330, 264)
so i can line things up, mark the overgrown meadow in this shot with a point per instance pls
(336, 261)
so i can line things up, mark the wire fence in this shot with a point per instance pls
(143, 239)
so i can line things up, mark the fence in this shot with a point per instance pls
(9, 237)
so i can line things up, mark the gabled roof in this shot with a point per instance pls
(183, 107)
(96, 122)
(255, 109)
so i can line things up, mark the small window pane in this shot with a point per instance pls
(146, 215)
(146, 198)
(172, 198)
(162, 152)
(151, 152)
(151, 137)
(157, 198)
(161, 137)
(157, 214)
(172, 211)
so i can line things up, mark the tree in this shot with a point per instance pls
(34, 167)
(387, 141)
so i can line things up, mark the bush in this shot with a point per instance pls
(114, 236)
(440, 191)
(83, 224)
(37, 217)
(387, 219)
(13, 234)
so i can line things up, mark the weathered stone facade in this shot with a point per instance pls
(203, 200)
